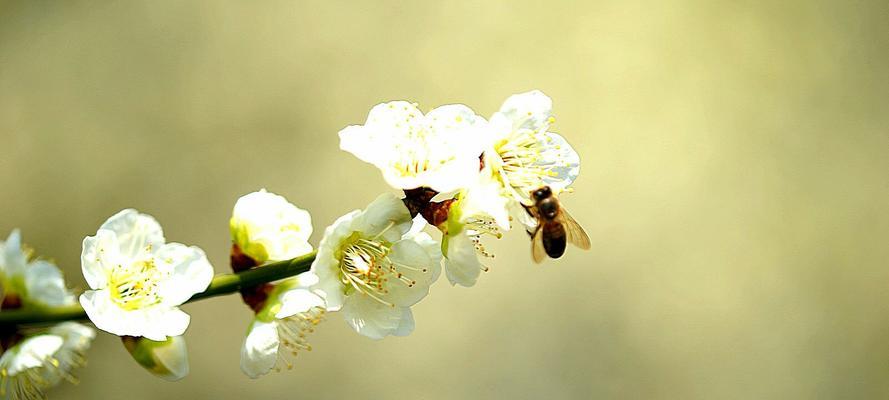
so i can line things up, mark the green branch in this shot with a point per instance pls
(222, 284)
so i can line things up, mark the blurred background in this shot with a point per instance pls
(734, 183)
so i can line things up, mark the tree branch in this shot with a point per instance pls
(222, 284)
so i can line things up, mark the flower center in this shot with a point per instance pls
(366, 267)
(293, 332)
(523, 161)
(135, 286)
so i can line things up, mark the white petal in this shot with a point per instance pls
(386, 217)
(432, 248)
(363, 143)
(439, 150)
(371, 318)
(166, 359)
(268, 227)
(296, 301)
(77, 336)
(486, 196)
(326, 265)
(174, 356)
(402, 115)
(456, 144)
(45, 285)
(155, 322)
(462, 266)
(414, 263)
(529, 110)
(445, 196)
(559, 158)
(14, 259)
(406, 325)
(135, 232)
(386, 124)
(190, 272)
(260, 350)
(521, 215)
(33, 352)
(100, 254)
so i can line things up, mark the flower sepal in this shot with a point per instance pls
(166, 359)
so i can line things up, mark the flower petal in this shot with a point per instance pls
(560, 159)
(260, 350)
(462, 266)
(414, 262)
(155, 322)
(326, 265)
(100, 254)
(487, 197)
(530, 110)
(269, 228)
(167, 359)
(374, 142)
(406, 325)
(77, 336)
(44, 285)
(371, 318)
(13, 259)
(439, 150)
(386, 216)
(190, 272)
(33, 352)
(135, 231)
(297, 300)
(456, 144)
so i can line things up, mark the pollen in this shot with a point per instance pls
(524, 161)
(135, 286)
(482, 226)
(293, 332)
(367, 268)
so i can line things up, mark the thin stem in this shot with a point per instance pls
(222, 284)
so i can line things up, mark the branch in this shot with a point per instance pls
(222, 284)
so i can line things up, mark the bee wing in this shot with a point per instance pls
(573, 231)
(538, 253)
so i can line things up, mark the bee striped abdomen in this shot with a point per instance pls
(554, 239)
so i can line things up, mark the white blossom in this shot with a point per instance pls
(439, 150)
(267, 227)
(34, 281)
(280, 329)
(41, 361)
(478, 211)
(521, 151)
(373, 266)
(138, 280)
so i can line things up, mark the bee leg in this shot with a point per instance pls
(527, 210)
(532, 234)
(531, 214)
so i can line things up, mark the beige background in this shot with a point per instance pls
(734, 183)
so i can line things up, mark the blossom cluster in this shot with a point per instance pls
(468, 177)
(36, 360)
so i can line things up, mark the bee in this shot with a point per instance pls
(555, 227)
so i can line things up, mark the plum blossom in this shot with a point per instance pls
(138, 280)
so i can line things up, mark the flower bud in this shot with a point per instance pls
(167, 359)
(266, 227)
